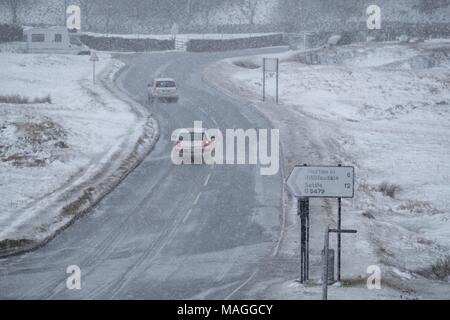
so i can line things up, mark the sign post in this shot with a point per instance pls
(264, 79)
(326, 250)
(339, 239)
(271, 66)
(94, 58)
(303, 212)
(278, 77)
(319, 182)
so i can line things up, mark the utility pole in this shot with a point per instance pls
(65, 13)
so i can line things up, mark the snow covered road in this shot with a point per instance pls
(167, 232)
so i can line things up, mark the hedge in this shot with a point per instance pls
(205, 45)
(10, 33)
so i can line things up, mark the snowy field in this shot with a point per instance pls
(385, 109)
(54, 157)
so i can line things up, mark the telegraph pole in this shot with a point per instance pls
(65, 13)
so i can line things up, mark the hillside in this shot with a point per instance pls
(157, 16)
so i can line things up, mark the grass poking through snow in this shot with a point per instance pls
(440, 270)
(17, 99)
(389, 189)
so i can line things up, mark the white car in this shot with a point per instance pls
(163, 89)
(193, 145)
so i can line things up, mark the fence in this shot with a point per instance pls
(10, 33)
(206, 45)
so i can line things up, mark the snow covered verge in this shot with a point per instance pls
(385, 109)
(12, 47)
(59, 159)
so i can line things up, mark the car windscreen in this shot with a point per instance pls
(165, 84)
(192, 136)
(197, 136)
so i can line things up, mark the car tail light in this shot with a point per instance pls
(207, 143)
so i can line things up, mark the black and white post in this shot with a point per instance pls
(94, 58)
(271, 66)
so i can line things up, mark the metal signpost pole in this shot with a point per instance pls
(326, 258)
(278, 68)
(325, 265)
(299, 212)
(304, 235)
(264, 79)
(302, 205)
(302, 242)
(307, 237)
(306, 214)
(339, 239)
(335, 182)
(93, 72)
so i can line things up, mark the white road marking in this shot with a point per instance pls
(186, 217)
(207, 180)
(241, 286)
(198, 198)
(161, 69)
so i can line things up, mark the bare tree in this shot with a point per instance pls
(290, 14)
(206, 7)
(14, 6)
(431, 5)
(111, 14)
(248, 9)
(189, 5)
(87, 7)
(329, 15)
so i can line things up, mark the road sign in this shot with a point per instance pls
(94, 56)
(322, 182)
(271, 65)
